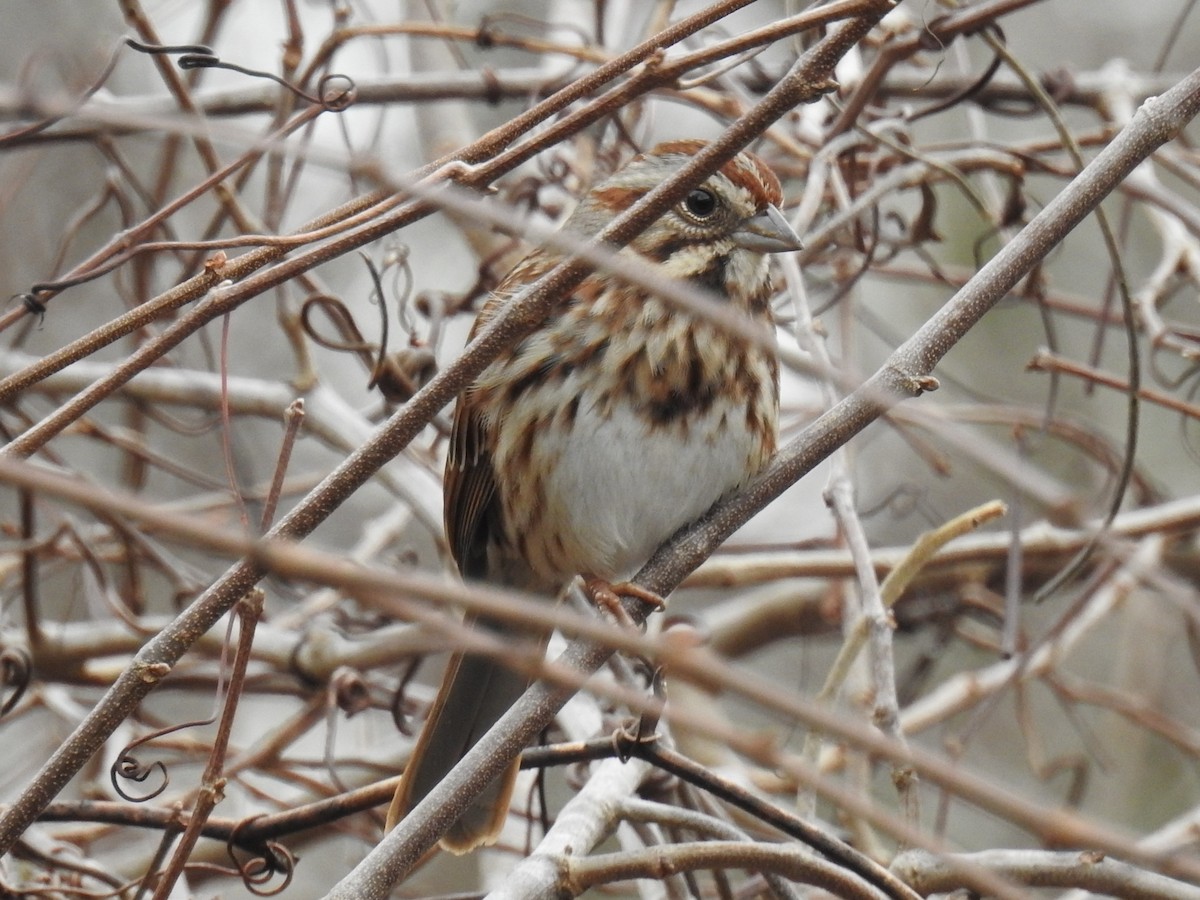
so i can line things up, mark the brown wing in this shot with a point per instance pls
(470, 484)
(470, 487)
(470, 502)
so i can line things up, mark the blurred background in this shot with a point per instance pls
(1074, 694)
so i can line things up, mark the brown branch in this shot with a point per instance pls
(212, 782)
(584, 873)
(1081, 871)
(389, 591)
(372, 208)
(906, 373)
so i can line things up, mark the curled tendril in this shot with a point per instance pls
(33, 305)
(351, 340)
(397, 259)
(198, 56)
(626, 740)
(158, 49)
(398, 716)
(339, 100)
(269, 860)
(404, 372)
(381, 299)
(335, 98)
(401, 374)
(350, 691)
(130, 769)
(396, 375)
(16, 672)
(966, 93)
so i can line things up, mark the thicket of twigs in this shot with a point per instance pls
(244, 242)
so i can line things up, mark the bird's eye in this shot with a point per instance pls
(701, 203)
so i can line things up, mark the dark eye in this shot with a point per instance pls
(701, 203)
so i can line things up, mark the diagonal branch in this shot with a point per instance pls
(808, 78)
(907, 373)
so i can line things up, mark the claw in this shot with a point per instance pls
(608, 597)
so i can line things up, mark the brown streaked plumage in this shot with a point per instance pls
(616, 422)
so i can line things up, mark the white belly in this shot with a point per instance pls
(621, 487)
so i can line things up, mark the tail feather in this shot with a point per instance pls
(475, 693)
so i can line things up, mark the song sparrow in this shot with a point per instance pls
(617, 421)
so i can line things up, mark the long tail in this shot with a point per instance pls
(475, 693)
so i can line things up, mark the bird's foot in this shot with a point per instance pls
(608, 596)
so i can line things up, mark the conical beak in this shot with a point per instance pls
(767, 232)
